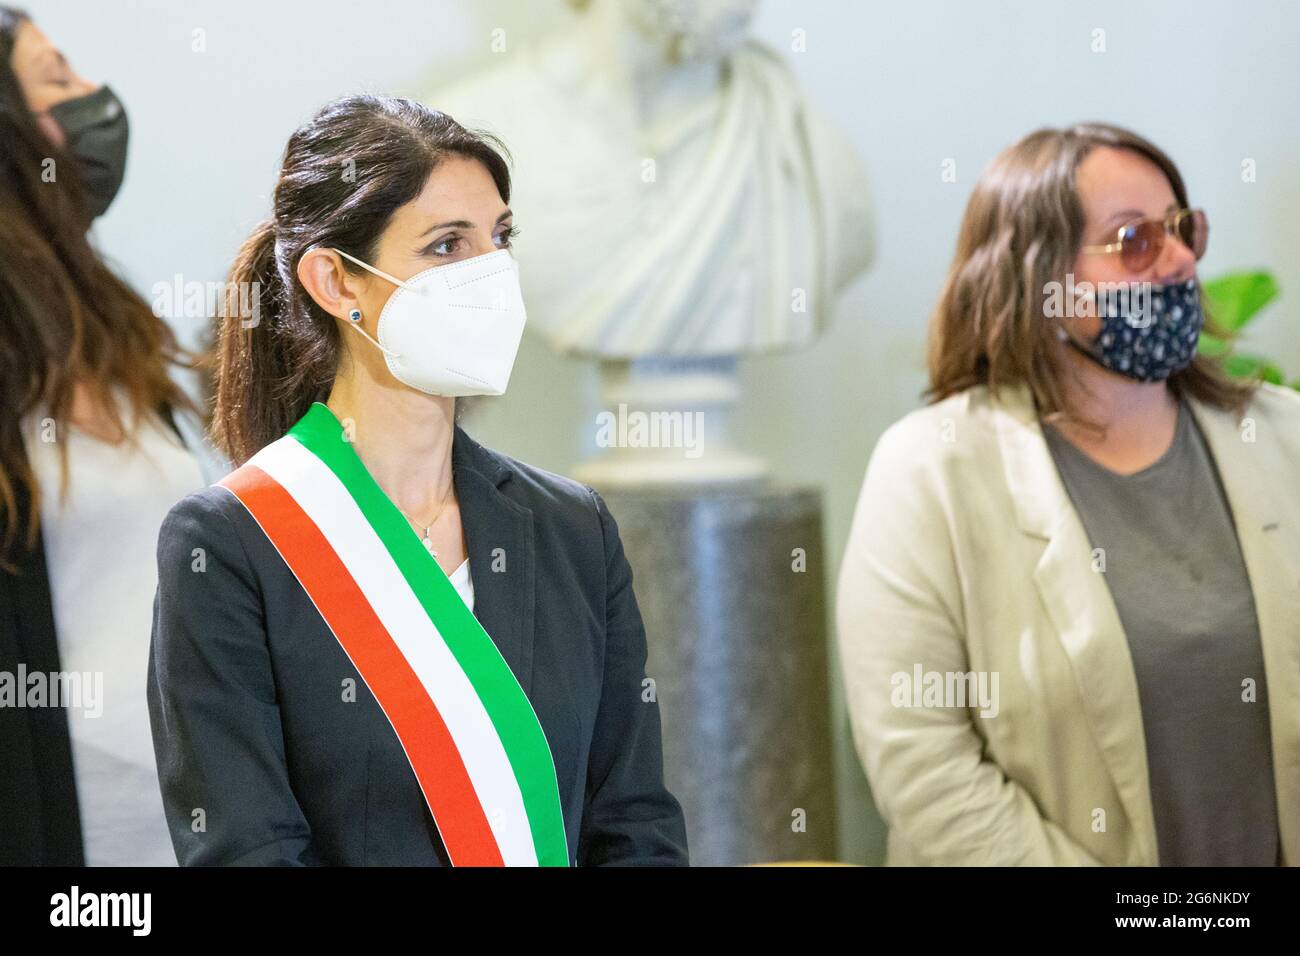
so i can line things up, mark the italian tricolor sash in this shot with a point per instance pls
(469, 731)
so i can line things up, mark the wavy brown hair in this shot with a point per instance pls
(65, 318)
(1022, 230)
(273, 365)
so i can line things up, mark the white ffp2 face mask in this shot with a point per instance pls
(453, 329)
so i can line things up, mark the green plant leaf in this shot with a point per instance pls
(1209, 345)
(1240, 365)
(1235, 298)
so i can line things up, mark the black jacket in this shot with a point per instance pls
(255, 740)
(40, 821)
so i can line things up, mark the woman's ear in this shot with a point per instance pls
(322, 274)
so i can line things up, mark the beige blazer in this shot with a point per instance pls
(966, 555)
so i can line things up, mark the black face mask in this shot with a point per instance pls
(97, 131)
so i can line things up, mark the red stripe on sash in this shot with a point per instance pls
(424, 735)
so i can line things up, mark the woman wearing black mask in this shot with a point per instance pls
(90, 460)
(88, 121)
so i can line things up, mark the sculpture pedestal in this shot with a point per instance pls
(735, 622)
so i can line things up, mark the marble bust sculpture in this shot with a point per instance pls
(678, 198)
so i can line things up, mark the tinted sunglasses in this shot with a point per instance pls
(1139, 242)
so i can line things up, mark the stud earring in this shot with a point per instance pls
(355, 316)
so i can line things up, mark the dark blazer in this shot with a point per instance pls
(261, 754)
(40, 820)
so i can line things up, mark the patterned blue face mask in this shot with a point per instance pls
(1147, 337)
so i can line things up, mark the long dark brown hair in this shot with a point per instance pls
(65, 318)
(1022, 230)
(343, 175)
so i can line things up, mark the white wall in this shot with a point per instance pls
(913, 84)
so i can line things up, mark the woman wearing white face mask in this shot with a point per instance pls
(376, 641)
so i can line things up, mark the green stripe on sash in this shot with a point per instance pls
(512, 714)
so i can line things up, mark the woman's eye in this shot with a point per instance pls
(445, 247)
(452, 244)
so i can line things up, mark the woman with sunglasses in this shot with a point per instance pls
(376, 641)
(1069, 610)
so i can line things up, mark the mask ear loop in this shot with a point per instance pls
(1065, 337)
(354, 317)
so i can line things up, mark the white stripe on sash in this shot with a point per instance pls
(328, 504)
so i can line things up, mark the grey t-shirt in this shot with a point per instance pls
(1176, 574)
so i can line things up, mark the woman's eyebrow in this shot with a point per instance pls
(461, 223)
(1124, 216)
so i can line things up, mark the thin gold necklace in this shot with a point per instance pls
(425, 539)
